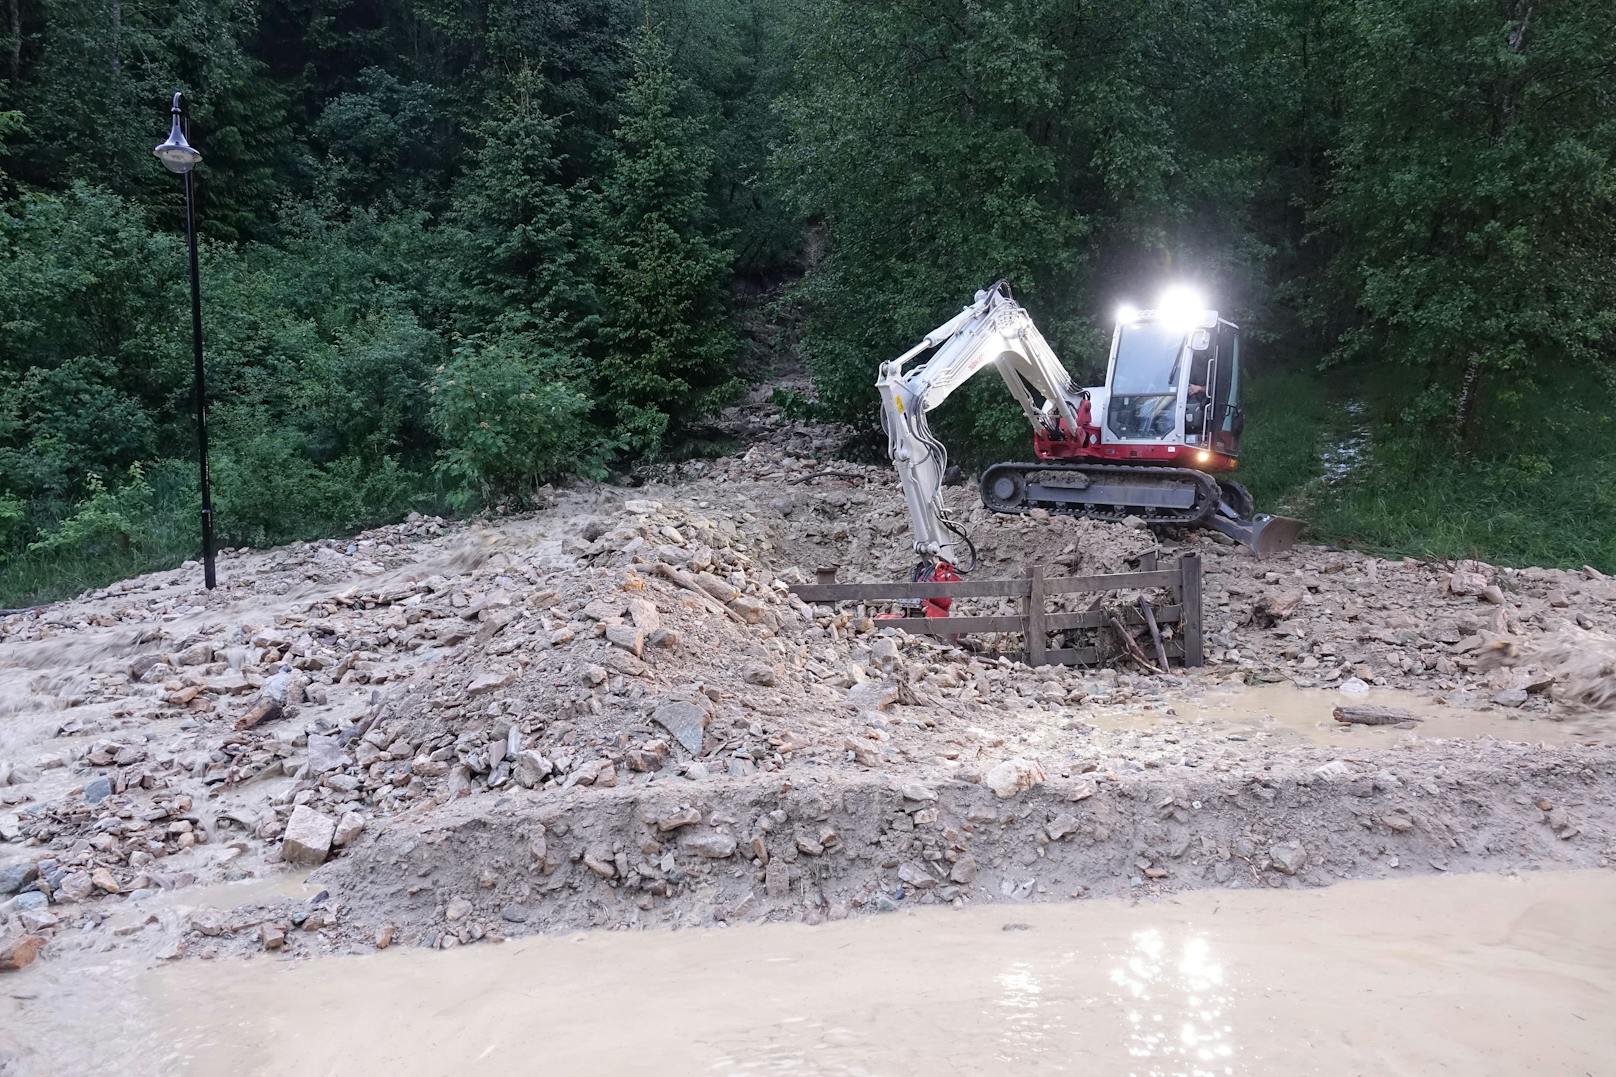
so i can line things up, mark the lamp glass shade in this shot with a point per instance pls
(177, 154)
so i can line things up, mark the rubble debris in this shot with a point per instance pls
(264, 709)
(601, 709)
(1130, 645)
(271, 936)
(685, 720)
(1288, 857)
(1013, 776)
(348, 827)
(1272, 608)
(13, 877)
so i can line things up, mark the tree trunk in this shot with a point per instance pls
(1519, 13)
(16, 41)
(117, 35)
(1465, 415)
(1520, 16)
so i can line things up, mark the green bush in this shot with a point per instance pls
(100, 533)
(1536, 493)
(509, 418)
(107, 517)
(12, 517)
(268, 489)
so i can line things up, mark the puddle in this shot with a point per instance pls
(224, 895)
(1464, 975)
(1304, 715)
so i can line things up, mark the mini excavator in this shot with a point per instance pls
(1157, 442)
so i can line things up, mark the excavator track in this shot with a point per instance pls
(1168, 496)
(1160, 496)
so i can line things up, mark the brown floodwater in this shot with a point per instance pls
(1475, 974)
(1304, 715)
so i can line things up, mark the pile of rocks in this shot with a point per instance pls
(1470, 631)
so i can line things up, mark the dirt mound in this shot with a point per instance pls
(1579, 666)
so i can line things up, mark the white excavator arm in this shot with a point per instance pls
(993, 331)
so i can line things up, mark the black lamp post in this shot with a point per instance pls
(178, 155)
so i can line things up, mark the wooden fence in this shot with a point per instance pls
(1035, 622)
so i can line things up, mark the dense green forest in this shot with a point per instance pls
(454, 250)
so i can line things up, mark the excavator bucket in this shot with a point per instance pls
(1266, 535)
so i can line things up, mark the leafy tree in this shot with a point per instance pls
(940, 147)
(95, 93)
(382, 140)
(736, 57)
(456, 248)
(11, 125)
(1475, 192)
(88, 316)
(668, 350)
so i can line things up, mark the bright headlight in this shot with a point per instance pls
(1181, 305)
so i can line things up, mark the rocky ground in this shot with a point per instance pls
(612, 712)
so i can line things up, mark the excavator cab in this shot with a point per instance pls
(1146, 380)
(1174, 383)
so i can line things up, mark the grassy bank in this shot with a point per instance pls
(151, 520)
(1535, 490)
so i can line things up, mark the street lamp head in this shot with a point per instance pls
(177, 154)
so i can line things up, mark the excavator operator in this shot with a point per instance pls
(1196, 400)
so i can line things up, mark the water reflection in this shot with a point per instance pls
(1177, 1006)
(1023, 1031)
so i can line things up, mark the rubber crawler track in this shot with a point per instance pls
(1206, 488)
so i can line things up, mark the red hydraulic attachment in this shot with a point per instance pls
(941, 572)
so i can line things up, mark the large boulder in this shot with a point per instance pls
(308, 836)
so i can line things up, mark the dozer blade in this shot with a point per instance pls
(1266, 535)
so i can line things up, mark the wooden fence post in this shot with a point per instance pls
(1035, 617)
(1189, 597)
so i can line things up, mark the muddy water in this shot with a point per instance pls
(1303, 715)
(1464, 975)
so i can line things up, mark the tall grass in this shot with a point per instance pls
(1282, 447)
(115, 534)
(165, 533)
(1536, 490)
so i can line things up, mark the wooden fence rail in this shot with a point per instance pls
(1035, 622)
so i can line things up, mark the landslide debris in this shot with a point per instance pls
(613, 710)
